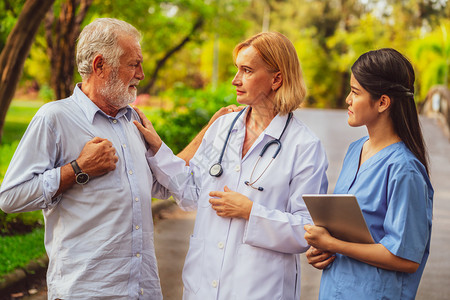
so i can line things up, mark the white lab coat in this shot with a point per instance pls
(235, 259)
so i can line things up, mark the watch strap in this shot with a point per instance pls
(76, 168)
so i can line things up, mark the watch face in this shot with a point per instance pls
(82, 178)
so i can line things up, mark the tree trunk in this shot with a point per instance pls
(61, 33)
(343, 90)
(16, 50)
(160, 63)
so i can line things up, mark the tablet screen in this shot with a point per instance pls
(340, 215)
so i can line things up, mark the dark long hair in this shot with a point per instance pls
(388, 72)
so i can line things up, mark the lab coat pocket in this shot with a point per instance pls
(259, 273)
(193, 265)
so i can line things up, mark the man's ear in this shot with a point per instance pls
(98, 65)
(384, 103)
(277, 81)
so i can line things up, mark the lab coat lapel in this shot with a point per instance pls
(272, 131)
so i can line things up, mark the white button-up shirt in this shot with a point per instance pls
(234, 258)
(98, 236)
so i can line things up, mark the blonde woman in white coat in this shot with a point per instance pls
(248, 231)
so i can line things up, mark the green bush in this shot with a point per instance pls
(20, 223)
(46, 93)
(192, 110)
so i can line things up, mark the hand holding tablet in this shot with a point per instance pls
(340, 215)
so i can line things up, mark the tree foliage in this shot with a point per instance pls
(191, 41)
(8, 16)
(432, 57)
(330, 35)
(173, 34)
(16, 49)
(62, 27)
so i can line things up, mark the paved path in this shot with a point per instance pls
(172, 242)
(173, 231)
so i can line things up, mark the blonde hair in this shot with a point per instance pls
(279, 54)
(102, 37)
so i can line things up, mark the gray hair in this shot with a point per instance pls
(101, 37)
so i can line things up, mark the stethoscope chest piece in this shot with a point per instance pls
(216, 170)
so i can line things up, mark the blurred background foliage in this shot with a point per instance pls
(329, 35)
(187, 47)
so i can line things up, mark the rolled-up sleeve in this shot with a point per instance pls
(32, 179)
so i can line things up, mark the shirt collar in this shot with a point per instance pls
(276, 126)
(240, 123)
(274, 129)
(90, 109)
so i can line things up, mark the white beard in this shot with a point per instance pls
(117, 91)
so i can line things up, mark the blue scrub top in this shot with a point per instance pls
(396, 198)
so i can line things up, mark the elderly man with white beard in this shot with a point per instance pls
(82, 161)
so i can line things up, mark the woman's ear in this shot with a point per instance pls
(384, 103)
(98, 65)
(277, 81)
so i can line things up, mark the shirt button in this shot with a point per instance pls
(136, 199)
(214, 283)
(220, 245)
(237, 168)
(137, 227)
(138, 255)
(130, 172)
(142, 291)
(114, 121)
(124, 145)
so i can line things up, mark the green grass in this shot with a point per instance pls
(18, 117)
(17, 251)
(6, 153)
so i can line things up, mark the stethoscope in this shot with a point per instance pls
(216, 170)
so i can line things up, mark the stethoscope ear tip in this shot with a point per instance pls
(247, 183)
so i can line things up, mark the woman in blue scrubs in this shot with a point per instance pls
(388, 173)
